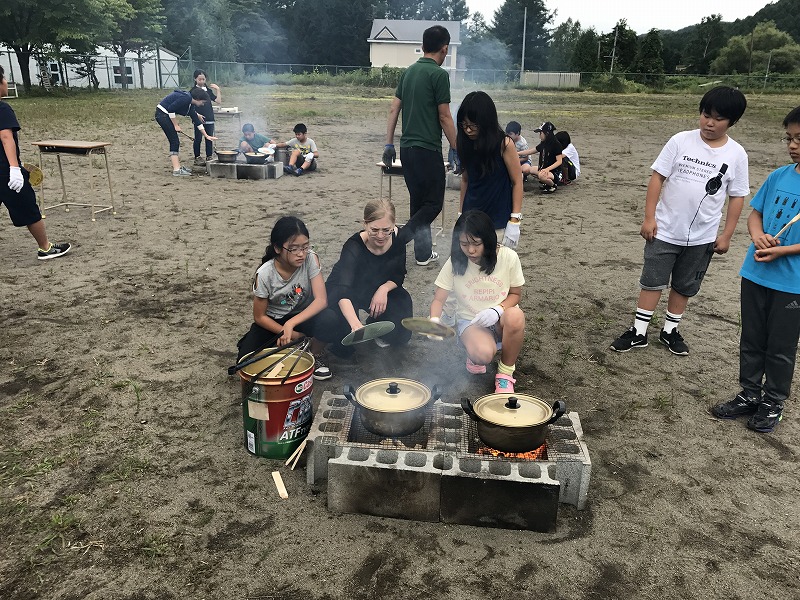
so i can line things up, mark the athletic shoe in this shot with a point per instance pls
(199, 161)
(767, 417)
(182, 172)
(504, 384)
(629, 339)
(433, 258)
(674, 341)
(550, 189)
(741, 405)
(288, 169)
(321, 370)
(381, 344)
(54, 251)
(475, 369)
(299, 171)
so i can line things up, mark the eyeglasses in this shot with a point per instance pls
(298, 250)
(377, 230)
(468, 126)
(788, 139)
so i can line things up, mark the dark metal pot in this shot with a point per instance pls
(255, 158)
(392, 407)
(226, 156)
(512, 422)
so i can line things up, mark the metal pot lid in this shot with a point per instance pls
(512, 410)
(393, 395)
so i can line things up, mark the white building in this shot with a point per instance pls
(107, 69)
(399, 43)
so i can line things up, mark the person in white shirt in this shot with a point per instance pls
(571, 166)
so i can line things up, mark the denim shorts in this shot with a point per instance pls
(685, 266)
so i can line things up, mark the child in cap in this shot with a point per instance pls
(691, 177)
(770, 296)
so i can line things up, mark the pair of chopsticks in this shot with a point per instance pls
(276, 475)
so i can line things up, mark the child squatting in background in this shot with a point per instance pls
(770, 296)
(486, 281)
(571, 163)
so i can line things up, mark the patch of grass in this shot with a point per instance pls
(127, 469)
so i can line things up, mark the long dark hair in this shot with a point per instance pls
(477, 225)
(284, 229)
(479, 108)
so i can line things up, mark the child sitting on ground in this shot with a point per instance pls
(301, 146)
(514, 131)
(571, 165)
(252, 141)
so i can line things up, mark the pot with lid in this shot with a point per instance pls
(512, 422)
(392, 406)
(226, 156)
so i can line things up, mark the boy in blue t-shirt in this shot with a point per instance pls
(770, 296)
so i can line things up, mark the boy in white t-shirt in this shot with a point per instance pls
(691, 177)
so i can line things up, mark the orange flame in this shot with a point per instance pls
(539, 454)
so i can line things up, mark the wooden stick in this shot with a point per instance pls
(277, 369)
(298, 452)
(276, 475)
(789, 224)
(293, 454)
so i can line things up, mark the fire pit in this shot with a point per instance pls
(443, 472)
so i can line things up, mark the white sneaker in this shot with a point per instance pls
(381, 344)
(433, 258)
(182, 172)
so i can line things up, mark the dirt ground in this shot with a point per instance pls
(122, 468)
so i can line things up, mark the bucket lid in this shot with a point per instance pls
(304, 363)
(512, 410)
(393, 395)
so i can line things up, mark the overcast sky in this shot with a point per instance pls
(642, 15)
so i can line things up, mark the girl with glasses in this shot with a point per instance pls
(491, 179)
(288, 293)
(369, 276)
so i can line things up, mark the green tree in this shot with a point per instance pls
(765, 45)
(507, 26)
(619, 47)
(431, 10)
(256, 38)
(205, 26)
(480, 48)
(562, 47)
(704, 47)
(649, 64)
(137, 27)
(584, 57)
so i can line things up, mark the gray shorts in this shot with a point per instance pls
(684, 265)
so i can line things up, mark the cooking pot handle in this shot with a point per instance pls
(350, 393)
(466, 404)
(436, 393)
(559, 408)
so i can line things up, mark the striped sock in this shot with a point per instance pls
(671, 322)
(505, 369)
(642, 320)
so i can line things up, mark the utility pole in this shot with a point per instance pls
(614, 50)
(524, 35)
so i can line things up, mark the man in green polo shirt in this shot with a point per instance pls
(423, 95)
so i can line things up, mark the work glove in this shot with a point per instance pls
(389, 155)
(16, 181)
(488, 316)
(511, 236)
(272, 146)
(309, 157)
(455, 162)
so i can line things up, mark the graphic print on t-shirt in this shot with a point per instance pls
(691, 170)
(786, 203)
(294, 297)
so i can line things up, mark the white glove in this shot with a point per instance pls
(309, 157)
(272, 146)
(16, 181)
(434, 337)
(488, 316)
(511, 236)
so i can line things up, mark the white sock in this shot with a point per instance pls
(671, 322)
(642, 320)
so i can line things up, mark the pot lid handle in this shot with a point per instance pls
(393, 388)
(512, 403)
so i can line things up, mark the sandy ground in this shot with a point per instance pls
(122, 465)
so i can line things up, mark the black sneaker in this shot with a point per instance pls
(738, 407)
(767, 417)
(321, 370)
(54, 251)
(629, 339)
(674, 341)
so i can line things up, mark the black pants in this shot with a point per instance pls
(332, 326)
(169, 130)
(258, 336)
(423, 171)
(198, 138)
(768, 345)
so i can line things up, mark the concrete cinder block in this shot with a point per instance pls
(326, 429)
(385, 483)
(218, 169)
(508, 495)
(245, 171)
(275, 170)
